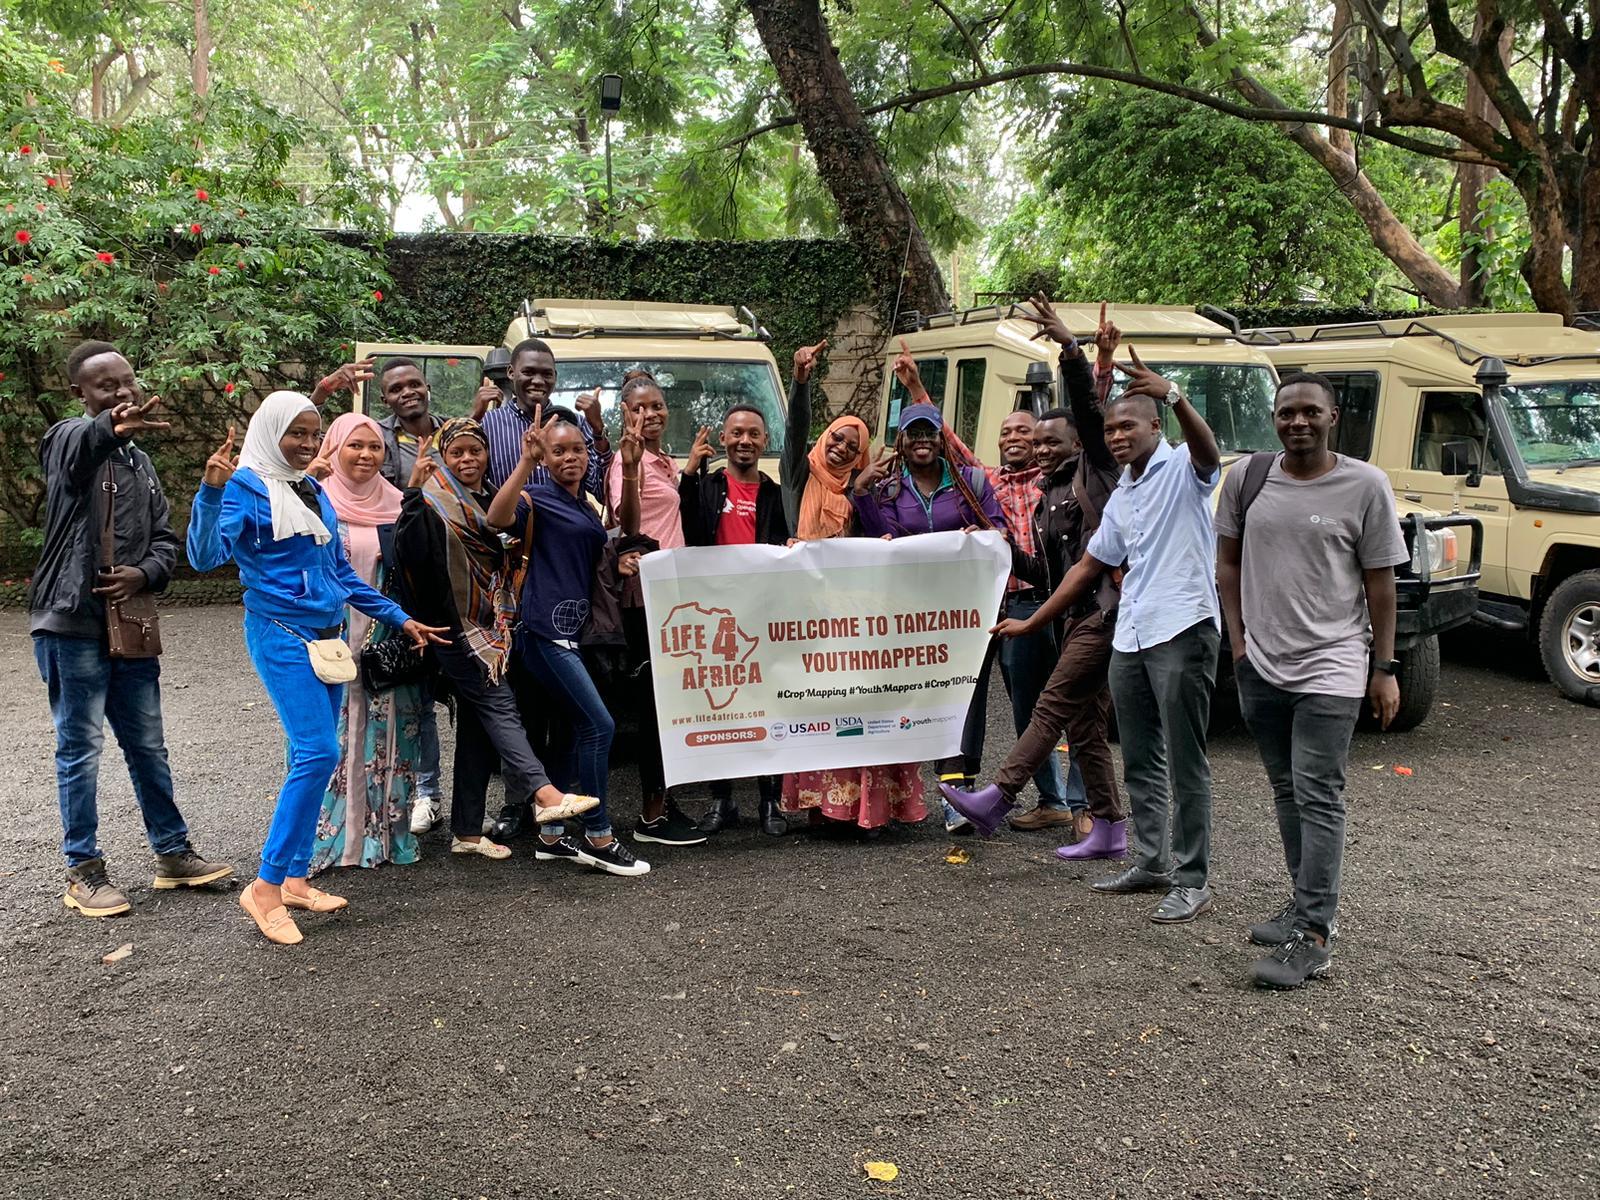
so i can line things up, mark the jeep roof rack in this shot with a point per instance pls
(1470, 355)
(556, 318)
(1148, 321)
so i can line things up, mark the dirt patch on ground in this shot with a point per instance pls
(761, 1017)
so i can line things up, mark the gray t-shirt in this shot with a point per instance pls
(1306, 543)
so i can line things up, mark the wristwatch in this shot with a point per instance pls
(1174, 394)
(1392, 667)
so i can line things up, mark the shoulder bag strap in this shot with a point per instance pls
(1255, 478)
(108, 527)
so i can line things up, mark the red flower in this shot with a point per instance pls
(25, 148)
(376, 295)
(2, 380)
(27, 279)
(49, 181)
(195, 228)
(37, 207)
(24, 237)
(162, 286)
(228, 388)
(240, 264)
(201, 195)
(213, 270)
(106, 257)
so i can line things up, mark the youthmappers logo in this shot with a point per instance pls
(717, 657)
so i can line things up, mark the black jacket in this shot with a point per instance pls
(701, 497)
(422, 581)
(74, 455)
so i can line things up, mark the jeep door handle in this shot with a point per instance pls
(1416, 496)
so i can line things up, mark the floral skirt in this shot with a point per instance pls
(366, 811)
(870, 797)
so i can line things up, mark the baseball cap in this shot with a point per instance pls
(921, 412)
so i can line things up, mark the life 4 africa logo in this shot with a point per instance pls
(716, 656)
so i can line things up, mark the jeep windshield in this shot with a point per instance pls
(699, 393)
(1555, 424)
(1235, 400)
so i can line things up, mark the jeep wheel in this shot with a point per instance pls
(1569, 637)
(1419, 680)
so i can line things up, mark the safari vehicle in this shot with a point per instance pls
(1496, 416)
(706, 358)
(980, 365)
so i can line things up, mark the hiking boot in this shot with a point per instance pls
(1043, 817)
(1278, 929)
(1294, 962)
(187, 869)
(90, 891)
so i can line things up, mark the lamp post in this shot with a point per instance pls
(610, 104)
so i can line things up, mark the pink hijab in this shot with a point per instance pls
(362, 507)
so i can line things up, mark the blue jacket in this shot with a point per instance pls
(294, 580)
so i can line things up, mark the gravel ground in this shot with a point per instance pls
(759, 1017)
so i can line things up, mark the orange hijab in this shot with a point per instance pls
(824, 507)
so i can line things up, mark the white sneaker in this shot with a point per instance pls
(482, 846)
(424, 814)
(957, 825)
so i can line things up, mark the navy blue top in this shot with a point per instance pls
(567, 541)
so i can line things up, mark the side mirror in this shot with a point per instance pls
(1461, 458)
(1041, 382)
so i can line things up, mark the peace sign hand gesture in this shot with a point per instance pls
(1049, 322)
(130, 418)
(221, 465)
(422, 470)
(632, 448)
(1142, 381)
(805, 360)
(700, 453)
(533, 439)
(875, 470)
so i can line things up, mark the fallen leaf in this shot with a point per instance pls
(884, 1172)
(120, 953)
(1402, 770)
(957, 856)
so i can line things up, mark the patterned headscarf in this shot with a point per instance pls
(457, 427)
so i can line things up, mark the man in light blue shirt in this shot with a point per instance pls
(1158, 526)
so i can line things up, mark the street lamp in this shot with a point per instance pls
(610, 104)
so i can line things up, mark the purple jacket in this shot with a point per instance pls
(905, 513)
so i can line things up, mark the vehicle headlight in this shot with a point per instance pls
(1440, 547)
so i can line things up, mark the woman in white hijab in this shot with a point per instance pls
(265, 513)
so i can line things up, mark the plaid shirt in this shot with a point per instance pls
(1018, 493)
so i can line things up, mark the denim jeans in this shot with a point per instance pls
(1025, 665)
(308, 710)
(1163, 697)
(1304, 740)
(87, 688)
(428, 739)
(584, 759)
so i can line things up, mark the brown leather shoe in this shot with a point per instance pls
(1040, 818)
(91, 893)
(276, 926)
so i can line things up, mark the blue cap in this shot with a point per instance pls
(921, 412)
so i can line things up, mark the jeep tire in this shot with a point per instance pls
(1419, 681)
(1569, 637)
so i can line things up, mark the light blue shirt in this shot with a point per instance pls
(1160, 525)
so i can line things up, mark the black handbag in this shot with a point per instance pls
(390, 663)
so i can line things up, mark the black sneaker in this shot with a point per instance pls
(1291, 964)
(671, 828)
(1277, 930)
(566, 848)
(613, 857)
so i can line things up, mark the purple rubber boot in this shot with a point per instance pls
(985, 808)
(1108, 839)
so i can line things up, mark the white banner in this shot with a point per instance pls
(849, 652)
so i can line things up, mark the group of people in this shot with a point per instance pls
(489, 563)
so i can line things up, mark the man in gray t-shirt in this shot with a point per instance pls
(1306, 575)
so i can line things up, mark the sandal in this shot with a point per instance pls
(276, 926)
(569, 806)
(315, 900)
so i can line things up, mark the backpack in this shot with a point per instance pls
(1256, 468)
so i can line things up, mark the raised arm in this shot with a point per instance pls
(631, 454)
(502, 512)
(217, 514)
(1204, 454)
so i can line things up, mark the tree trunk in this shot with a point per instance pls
(1472, 179)
(871, 205)
(1339, 75)
(201, 70)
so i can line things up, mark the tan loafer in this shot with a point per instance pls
(569, 806)
(276, 926)
(315, 900)
(482, 846)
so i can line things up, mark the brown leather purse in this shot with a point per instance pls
(133, 628)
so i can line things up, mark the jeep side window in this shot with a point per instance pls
(969, 398)
(934, 372)
(1357, 395)
(1452, 417)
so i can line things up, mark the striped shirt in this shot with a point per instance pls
(504, 427)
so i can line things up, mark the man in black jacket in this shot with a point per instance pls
(90, 462)
(734, 506)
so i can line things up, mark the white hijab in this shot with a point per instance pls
(261, 454)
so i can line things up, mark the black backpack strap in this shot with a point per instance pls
(1255, 478)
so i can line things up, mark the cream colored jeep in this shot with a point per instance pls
(1496, 417)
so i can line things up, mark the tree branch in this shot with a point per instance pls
(966, 35)
(1279, 116)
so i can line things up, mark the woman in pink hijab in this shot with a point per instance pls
(366, 813)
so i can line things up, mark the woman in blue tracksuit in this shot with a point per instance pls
(266, 514)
